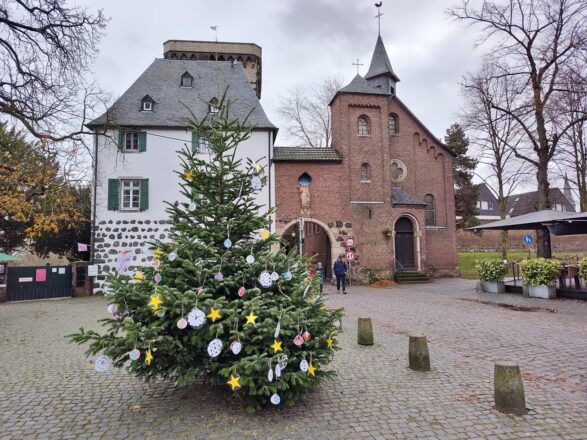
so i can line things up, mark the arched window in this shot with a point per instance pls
(363, 126)
(186, 80)
(393, 127)
(430, 215)
(147, 104)
(213, 106)
(365, 173)
(305, 179)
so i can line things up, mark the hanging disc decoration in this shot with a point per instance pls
(182, 323)
(214, 347)
(242, 291)
(250, 259)
(274, 276)
(102, 363)
(236, 347)
(112, 308)
(265, 279)
(304, 365)
(287, 276)
(298, 340)
(219, 276)
(134, 354)
(275, 399)
(172, 256)
(227, 243)
(282, 361)
(256, 183)
(196, 318)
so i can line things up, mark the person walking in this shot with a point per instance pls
(321, 273)
(340, 270)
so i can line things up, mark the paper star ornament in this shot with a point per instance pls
(189, 175)
(234, 382)
(311, 369)
(214, 314)
(264, 234)
(329, 342)
(148, 357)
(155, 302)
(276, 346)
(251, 318)
(157, 254)
(139, 276)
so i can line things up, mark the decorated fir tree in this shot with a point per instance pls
(219, 301)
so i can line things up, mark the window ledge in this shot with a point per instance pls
(363, 135)
(435, 227)
(365, 181)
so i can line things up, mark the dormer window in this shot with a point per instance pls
(186, 80)
(213, 108)
(147, 104)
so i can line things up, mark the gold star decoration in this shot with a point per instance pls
(157, 253)
(155, 302)
(189, 175)
(234, 382)
(214, 314)
(251, 318)
(264, 234)
(329, 342)
(139, 276)
(276, 346)
(323, 307)
(311, 369)
(148, 357)
(257, 166)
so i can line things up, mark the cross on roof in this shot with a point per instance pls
(378, 16)
(357, 64)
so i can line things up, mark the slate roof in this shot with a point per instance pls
(400, 196)
(305, 154)
(161, 81)
(360, 85)
(524, 203)
(380, 64)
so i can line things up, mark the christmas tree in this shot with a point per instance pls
(219, 302)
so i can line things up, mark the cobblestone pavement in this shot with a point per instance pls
(46, 392)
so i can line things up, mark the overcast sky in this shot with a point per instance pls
(303, 41)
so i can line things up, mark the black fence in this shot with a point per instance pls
(40, 282)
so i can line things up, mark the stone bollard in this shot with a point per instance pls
(508, 388)
(418, 353)
(365, 331)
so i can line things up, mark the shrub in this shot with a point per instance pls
(583, 268)
(491, 270)
(540, 272)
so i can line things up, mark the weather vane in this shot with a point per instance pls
(378, 16)
(357, 64)
(215, 29)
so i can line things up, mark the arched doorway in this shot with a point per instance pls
(317, 241)
(405, 254)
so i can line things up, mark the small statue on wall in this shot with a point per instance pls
(305, 198)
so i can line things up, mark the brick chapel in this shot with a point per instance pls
(386, 180)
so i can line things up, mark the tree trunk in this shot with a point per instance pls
(502, 210)
(542, 234)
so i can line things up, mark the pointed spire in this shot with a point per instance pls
(380, 64)
(567, 190)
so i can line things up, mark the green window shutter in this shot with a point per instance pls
(144, 194)
(113, 194)
(195, 142)
(142, 142)
(120, 140)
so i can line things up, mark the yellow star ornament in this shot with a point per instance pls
(276, 346)
(311, 369)
(251, 318)
(214, 314)
(189, 175)
(157, 253)
(264, 234)
(148, 357)
(323, 307)
(155, 302)
(329, 342)
(139, 276)
(234, 382)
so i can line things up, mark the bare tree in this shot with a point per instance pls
(496, 136)
(46, 49)
(307, 113)
(536, 42)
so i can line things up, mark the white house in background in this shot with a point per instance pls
(136, 142)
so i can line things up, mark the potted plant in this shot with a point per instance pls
(491, 273)
(583, 268)
(540, 275)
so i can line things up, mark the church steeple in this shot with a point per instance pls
(381, 74)
(567, 191)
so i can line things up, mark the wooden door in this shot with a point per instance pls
(404, 244)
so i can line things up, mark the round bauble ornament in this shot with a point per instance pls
(192, 206)
(112, 308)
(298, 340)
(306, 335)
(156, 263)
(227, 243)
(182, 323)
(236, 347)
(250, 259)
(241, 291)
(275, 399)
(196, 318)
(134, 354)
(304, 365)
(219, 276)
(274, 276)
(287, 276)
(157, 278)
(102, 363)
(256, 183)
(172, 256)
(265, 279)
(214, 347)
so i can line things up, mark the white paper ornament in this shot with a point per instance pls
(214, 347)
(161, 313)
(102, 363)
(172, 256)
(304, 365)
(182, 323)
(196, 318)
(275, 399)
(274, 276)
(112, 308)
(306, 289)
(277, 371)
(227, 243)
(256, 183)
(192, 206)
(282, 361)
(265, 279)
(134, 354)
(158, 278)
(236, 347)
(219, 276)
(270, 374)
(250, 259)
(287, 276)
(277, 329)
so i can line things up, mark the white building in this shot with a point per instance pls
(135, 148)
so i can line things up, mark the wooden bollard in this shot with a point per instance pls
(508, 388)
(418, 354)
(365, 332)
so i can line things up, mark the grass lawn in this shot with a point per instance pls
(467, 259)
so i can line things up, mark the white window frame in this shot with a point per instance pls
(367, 127)
(204, 146)
(134, 141)
(133, 189)
(147, 106)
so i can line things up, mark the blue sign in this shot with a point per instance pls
(528, 239)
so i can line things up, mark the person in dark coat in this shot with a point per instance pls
(340, 270)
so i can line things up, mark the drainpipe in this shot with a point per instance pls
(94, 202)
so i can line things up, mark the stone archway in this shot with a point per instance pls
(335, 248)
(398, 234)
